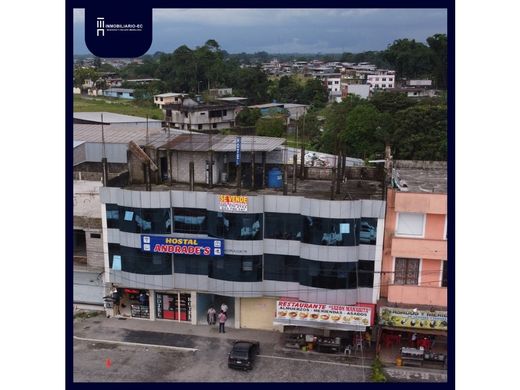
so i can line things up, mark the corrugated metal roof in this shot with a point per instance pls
(248, 143)
(115, 133)
(110, 117)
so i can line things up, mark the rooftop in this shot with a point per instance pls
(222, 143)
(171, 94)
(423, 176)
(117, 133)
(109, 117)
(129, 90)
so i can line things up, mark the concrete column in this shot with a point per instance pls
(194, 308)
(237, 313)
(151, 302)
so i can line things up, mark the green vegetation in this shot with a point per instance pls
(377, 371)
(86, 314)
(271, 126)
(117, 106)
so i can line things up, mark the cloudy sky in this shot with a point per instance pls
(285, 30)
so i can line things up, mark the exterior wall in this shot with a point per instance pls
(257, 313)
(431, 249)
(362, 90)
(256, 204)
(202, 118)
(95, 257)
(377, 82)
(181, 167)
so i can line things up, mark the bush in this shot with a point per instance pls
(377, 371)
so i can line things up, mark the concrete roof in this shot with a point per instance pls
(267, 105)
(129, 90)
(171, 94)
(109, 117)
(425, 177)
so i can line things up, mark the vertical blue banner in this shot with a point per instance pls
(238, 142)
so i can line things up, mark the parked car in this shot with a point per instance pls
(243, 354)
(367, 233)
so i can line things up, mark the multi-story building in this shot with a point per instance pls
(192, 115)
(168, 98)
(414, 276)
(270, 257)
(381, 81)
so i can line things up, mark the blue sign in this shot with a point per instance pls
(237, 158)
(182, 245)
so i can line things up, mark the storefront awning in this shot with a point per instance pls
(319, 325)
(432, 332)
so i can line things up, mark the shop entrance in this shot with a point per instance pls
(173, 306)
(204, 301)
(133, 303)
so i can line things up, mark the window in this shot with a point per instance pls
(406, 271)
(329, 275)
(135, 261)
(95, 235)
(224, 112)
(202, 113)
(112, 216)
(283, 226)
(384, 78)
(410, 224)
(330, 231)
(365, 273)
(444, 282)
(194, 265)
(214, 125)
(200, 127)
(235, 226)
(188, 220)
(368, 231)
(281, 267)
(136, 220)
(236, 268)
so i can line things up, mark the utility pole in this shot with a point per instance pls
(388, 170)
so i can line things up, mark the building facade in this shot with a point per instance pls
(381, 81)
(274, 248)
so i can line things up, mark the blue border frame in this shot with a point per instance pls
(444, 4)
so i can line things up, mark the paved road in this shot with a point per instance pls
(88, 287)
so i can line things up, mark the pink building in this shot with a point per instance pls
(412, 309)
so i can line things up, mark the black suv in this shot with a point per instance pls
(243, 354)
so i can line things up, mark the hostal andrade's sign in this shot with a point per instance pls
(232, 203)
(409, 318)
(182, 246)
(319, 312)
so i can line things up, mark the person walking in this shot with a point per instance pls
(221, 322)
(212, 316)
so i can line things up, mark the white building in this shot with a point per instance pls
(168, 98)
(381, 81)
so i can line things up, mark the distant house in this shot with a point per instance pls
(220, 92)
(361, 90)
(168, 98)
(121, 93)
(381, 81)
(415, 92)
(142, 81)
(294, 110)
(192, 115)
(419, 83)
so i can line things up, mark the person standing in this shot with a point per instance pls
(221, 322)
(224, 308)
(212, 316)
(414, 340)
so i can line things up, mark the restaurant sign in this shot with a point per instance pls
(413, 318)
(182, 246)
(232, 203)
(323, 313)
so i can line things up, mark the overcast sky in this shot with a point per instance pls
(285, 30)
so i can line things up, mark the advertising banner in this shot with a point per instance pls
(237, 157)
(322, 313)
(232, 203)
(182, 246)
(411, 318)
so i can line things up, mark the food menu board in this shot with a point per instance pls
(410, 318)
(318, 312)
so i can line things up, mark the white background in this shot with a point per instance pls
(32, 70)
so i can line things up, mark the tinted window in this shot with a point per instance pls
(330, 275)
(235, 226)
(195, 265)
(406, 271)
(365, 273)
(136, 220)
(112, 216)
(329, 231)
(444, 282)
(281, 267)
(368, 231)
(138, 262)
(235, 268)
(186, 220)
(113, 250)
(283, 226)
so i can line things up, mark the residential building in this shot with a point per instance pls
(168, 98)
(295, 111)
(414, 274)
(361, 90)
(198, 116)
(221, 92)
(381, 81)
(121, 93)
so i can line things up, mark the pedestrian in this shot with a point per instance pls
(143, 299)
(414, 340)
(212, 316)
(224, 308)
(432, 342)
(368, 338)
(221, 322)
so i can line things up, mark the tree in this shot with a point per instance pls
(391, 102)
(248, 117)
(409, 58)
(271, 126)
(82, 74)
(439, 46)
(315, 93)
